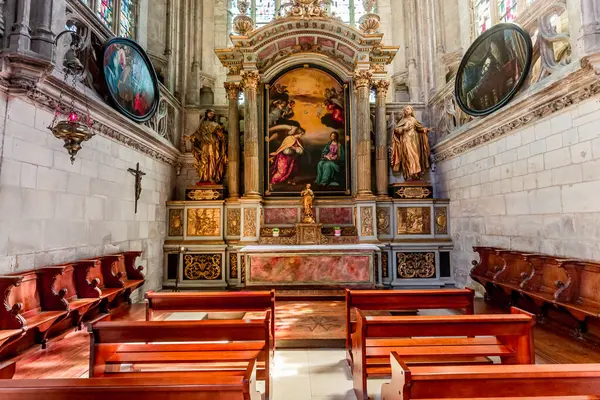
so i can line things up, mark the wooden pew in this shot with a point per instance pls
(115, 275)
(184, 386)
(164, 348)
(403, 300)
(12, 325)
(90, 282)
(431, 340)
(25, 299)
(60, 292)
(547, 381)
(210, 302)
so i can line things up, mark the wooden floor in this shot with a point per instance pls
(67, 356)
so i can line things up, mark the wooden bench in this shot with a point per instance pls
(210, 302)
(115, 275)
(59, 292)
(548, 381)
(25, 299)
(90, 282)
(435, 340)
(403, 300)
(540, 283)
(185, 386)
(12, 325)
(167, 349)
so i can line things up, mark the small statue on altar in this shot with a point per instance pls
(410, 146)
(209, 146)
(307, 201)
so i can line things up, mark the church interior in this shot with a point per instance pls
(299, 199)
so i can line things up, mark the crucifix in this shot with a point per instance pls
(138, 182)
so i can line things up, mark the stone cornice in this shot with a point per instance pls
(570, 86)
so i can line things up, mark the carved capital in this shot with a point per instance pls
(233, 90)
(250, 80)
(362, 78)
(381, 86)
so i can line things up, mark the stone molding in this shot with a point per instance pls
(107, 121)
(557, 92)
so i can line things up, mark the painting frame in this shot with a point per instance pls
(115, 102)
(482, 40)
(344, 191)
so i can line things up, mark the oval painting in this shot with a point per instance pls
(130, 79)
(493, 69)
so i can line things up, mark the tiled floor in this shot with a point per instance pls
(315, 375)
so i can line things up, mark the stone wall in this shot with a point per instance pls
(53, 212)
(536, 189)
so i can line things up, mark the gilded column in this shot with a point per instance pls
(362, 85)
(250, 80)
(233, 152)
(381, 146)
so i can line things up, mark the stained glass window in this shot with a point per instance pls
(507, 10)
(104, 10)
(342, 9)
(127, 18)
(483, 16)
(264, 12)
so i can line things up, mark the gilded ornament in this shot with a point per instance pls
(383, 221)
(369, 23)
(410, 149)
(366, 221)
(233, 265)
(250, 222)
(384, 264)
(233, 90)
(304, 9)
(415, 265)
(414, 220)
(308, 196)
(243, 269)
(362, 78)
(381, 86)
(203, 194)
(202, 266)
(441, 220)
(204, 222)
(176, 222)
(408, 192)
(234, 216)
(250, 80)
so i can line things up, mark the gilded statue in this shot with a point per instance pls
(410, 146)
(307, 201)
(209, 146)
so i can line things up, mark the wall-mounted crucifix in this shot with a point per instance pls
(138, 182)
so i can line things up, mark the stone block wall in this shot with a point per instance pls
(52, 212)
(536, 189)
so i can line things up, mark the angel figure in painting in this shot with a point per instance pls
(410, 146)
(307, 201)
(209, 147)
(283, 163)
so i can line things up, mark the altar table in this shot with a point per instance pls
(311, 265)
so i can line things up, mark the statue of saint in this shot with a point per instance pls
(307, 201)
(209, 146)
(410, 146)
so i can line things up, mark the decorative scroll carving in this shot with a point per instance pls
(243, 269)
(265, 64)
(366, 221)
(415, 265)
(283, 232)
(250, 222)
(414, 220)
(233, 265)
(441, 220)
(304, 9)
(409, 192)
(202, 266)
(204, 222)
(11, 315)
(203, 194)
(383, 221)
(234, 216)
(176, 222)
(384, 264)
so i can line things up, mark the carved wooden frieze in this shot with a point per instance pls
(233, 265)
(250, 222)
(384, 264)
(415, 265)
(176, 222)
(413, 220)
(234, 216)
(207, 267)
(383, 221)
(204, 222)
(441, 220)
(366, 221)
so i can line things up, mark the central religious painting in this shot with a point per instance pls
(306, 133)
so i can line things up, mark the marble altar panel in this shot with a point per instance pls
(280, 216)
(335, 215)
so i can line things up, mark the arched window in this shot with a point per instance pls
(491, 12)
(117, 15)
(349, 11)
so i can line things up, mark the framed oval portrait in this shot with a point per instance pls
(493, 69)
(130, 79)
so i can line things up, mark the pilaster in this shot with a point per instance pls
(381, 145)
(233, 152)
(362, 85)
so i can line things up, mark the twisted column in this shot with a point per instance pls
(362, 85)
(250, 81)
(381, 159)
(233, 149)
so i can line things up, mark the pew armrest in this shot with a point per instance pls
(10, 315)
(399, 385)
